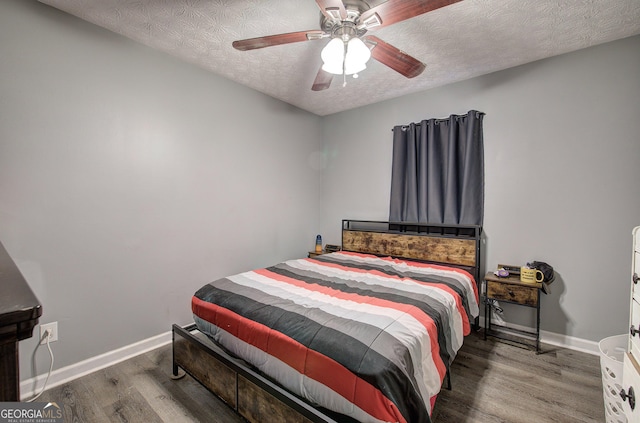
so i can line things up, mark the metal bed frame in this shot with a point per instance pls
(258, 398)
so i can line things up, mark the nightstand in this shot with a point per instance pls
(512, 290)
(313, 254)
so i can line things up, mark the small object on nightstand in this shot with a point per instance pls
(501, 273)
(329, 248)
(529, 275)
(511, 268)
(318, 244)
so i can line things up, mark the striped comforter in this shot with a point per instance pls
(368, 337)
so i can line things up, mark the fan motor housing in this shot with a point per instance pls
(354, 9)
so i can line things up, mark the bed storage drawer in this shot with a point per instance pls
(251, 395)
(255, 403)
(211, 373)
(515, 293)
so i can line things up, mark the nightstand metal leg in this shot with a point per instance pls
(538, 325)
(487, 317)
(486, 306)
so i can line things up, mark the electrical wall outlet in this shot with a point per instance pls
(53, 332)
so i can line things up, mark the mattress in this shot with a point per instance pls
(368, 337)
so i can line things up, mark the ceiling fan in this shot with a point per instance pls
(346, 23)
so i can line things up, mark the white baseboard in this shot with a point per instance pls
(30, 387)
(558, 340)
(570, 342)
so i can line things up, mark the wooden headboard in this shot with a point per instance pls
(453, 245)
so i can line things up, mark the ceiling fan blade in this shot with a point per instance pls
(274, 40)
(323, 80)
(394, 58)
(392, 11)
(332, 9)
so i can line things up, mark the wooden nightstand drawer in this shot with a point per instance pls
(511, 289)
(516, 293)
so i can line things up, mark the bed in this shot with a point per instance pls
(364, 334)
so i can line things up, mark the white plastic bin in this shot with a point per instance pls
(612, 351)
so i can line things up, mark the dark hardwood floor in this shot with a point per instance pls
(497, 382)
(492, 382)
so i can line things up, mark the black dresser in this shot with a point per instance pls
(19, 314)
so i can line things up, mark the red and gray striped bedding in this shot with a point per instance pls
(368, 337)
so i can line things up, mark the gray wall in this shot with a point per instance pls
(128, 179)
(562, 154)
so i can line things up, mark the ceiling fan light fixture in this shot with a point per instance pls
(335, 68)
(337, 62)
(332, 56)
(358, 54)
(355, 69)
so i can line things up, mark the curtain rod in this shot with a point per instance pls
(437, 121)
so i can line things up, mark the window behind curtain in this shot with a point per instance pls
(438, 171)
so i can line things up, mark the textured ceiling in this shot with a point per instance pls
(457, 42)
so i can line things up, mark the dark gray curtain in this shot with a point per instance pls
(438, 171)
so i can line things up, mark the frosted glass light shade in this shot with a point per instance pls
(332, 55)
(357, 56)
(355, 61)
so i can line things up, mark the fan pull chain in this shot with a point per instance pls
(344, 67)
